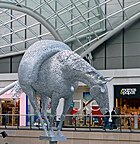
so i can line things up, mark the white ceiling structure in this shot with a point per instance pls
(82, 24)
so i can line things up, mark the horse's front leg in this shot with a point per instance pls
(67, 103)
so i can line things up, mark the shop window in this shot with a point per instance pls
(10, 108)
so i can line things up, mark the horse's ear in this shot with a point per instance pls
(102, 89)
(108, 79)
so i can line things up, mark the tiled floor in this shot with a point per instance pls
(32, 137)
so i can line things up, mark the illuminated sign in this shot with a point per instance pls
(127, 91)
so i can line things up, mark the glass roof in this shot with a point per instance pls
(79, 23)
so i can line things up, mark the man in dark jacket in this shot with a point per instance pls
(114, 117)
(106, 119)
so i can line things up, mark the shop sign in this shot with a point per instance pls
(88, 105)
(127, 91)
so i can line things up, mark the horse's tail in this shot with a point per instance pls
(17, 90)
(36, 55)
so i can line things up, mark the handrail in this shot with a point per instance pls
(124, 123)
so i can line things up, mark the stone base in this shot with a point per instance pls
(53, 138)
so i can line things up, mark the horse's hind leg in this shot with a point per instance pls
(33, 99)
(45, 101)
(54, 104)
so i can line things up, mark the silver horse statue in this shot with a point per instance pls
(51, 69)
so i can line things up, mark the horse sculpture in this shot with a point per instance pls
(52, 70)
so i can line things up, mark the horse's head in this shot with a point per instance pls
(100, 94)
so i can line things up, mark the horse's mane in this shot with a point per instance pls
(36, 54)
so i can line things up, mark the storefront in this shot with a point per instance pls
(127, 102)
(84, 110)
(127, 98)
(10, 109)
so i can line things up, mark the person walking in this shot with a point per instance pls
(114, 117)
(106, 119)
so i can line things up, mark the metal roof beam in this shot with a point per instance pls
(125, 24)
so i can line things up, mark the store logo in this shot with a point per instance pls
(128, 91)
(88, 105)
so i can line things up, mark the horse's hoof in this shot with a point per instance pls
(59, 133)
(61, 136)
(51, 134)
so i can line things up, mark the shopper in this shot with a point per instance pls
(114, 117)
(106, 119)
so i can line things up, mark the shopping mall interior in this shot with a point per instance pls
(105, 33)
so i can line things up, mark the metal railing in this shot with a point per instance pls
(124, 123)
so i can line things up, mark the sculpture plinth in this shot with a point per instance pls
(54, 138)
